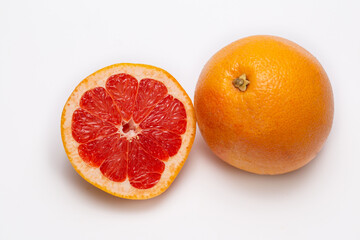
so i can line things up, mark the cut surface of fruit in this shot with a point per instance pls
(128, 129)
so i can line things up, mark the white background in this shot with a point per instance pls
(48, 47)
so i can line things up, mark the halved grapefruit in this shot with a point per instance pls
(128, 129)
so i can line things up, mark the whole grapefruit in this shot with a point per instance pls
(264, 104)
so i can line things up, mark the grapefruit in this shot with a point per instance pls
(128, 129)
(264, 104)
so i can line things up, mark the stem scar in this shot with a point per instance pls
(241, 82)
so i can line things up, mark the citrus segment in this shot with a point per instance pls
(99, 103)
(144, 170)
(123, 87)
(150, 93)
(169, 141)
(115, 165)
(169, 114)
(86, 127)
(151, 146)
(96, 151)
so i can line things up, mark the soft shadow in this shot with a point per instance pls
(73, 180)
(262, 185)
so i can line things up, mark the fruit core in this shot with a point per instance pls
(129, 129)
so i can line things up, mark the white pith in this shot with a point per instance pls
(131, 133)
(93, 175)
